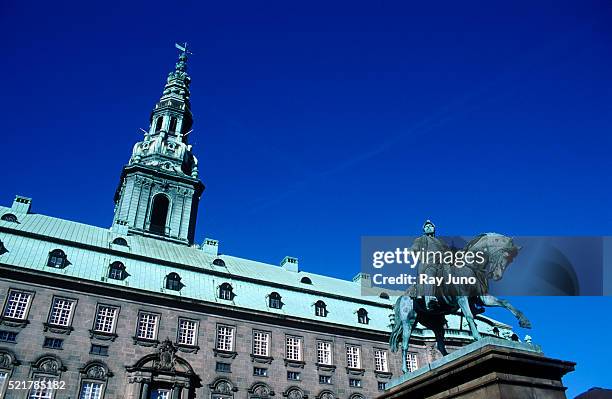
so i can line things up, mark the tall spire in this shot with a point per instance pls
(160, 189)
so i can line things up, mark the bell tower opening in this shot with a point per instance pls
(159, 214)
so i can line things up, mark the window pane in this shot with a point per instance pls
(91, 390)
(61, 311)
(17, 304)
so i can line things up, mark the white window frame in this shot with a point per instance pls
(17, 305)
(60, 314)
(46, 393)
(187, 332)
(381, 362)
(353, 356)
(324, 353)
(293, 348)
(147, 326)
(225, 338)
(261, 343)
(412, 361)
(91, 394)
(113, 324)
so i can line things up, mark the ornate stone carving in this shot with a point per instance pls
(223, 387)
(167, 356)
(49, 366)
(295, 394)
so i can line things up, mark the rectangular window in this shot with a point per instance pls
(293, 375)
(411, 361)
(147, 325)
(61, 311)
(99, 350)
(225, 338)
(53, 343)
(187, 332)
(42, 391)
(260, 372)
(3, 378)
(161, 394)
(261, 343)
(294, 348)
(105, 319)
(324, 352)
(380, 360)
(8, 336)
(354, 382)
(325, 379)
(223, 367)
(17, 304)
(382, 386)
(91, 390)
(353, 357)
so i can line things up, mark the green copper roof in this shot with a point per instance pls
(148, 260)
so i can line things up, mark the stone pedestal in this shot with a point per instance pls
(491, 368)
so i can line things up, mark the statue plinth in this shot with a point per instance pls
(490, 368)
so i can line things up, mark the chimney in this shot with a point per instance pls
(21, 204)
(289, 263)
(210, 246)
(120, 227)
(362, 278)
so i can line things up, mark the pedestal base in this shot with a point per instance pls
(487, 369)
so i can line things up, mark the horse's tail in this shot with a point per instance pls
(396, 334)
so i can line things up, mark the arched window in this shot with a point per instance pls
(158, 123)
(320, 309)
(384, 295)
(326, 394)
(120, 241)
(222, 389)
(274, 301)
(94, 376)
(306, 280)
(9, 217)
(226, 291)
(159, 214)
(294, 393)
(173, 282)
(219, 262)
(58, 259)
(362, 316)
(173, 124)
(117, 271)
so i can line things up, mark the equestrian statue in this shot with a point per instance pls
(427, 305)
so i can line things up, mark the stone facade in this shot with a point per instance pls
(124, 351)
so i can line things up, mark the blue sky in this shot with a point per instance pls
(320, 122)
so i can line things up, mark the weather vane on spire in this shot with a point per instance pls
(183, 48)
(181, 65)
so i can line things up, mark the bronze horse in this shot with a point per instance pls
(499, 251)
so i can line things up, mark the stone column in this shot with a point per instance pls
(144, 391)
(176, 391)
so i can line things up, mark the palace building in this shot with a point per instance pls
(142, 310)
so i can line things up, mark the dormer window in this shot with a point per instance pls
(3, 249)
(120, 241)
(219, 262)
(173, 282)
(226, 292)
(117, 271)
(306, 280)
(320, 309)
(57, 259)
(9, 217)
(384, 295)
(274, 301)
(362, 316)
